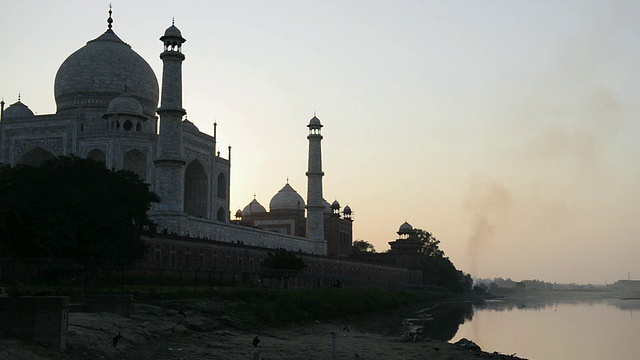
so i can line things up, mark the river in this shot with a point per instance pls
(542, 328)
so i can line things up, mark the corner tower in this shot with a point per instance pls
(170, 163)
(315, 201)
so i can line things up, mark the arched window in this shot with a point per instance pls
(134, 160)
(222, 186)
(35, 157)
(220, 216)
(196, 191)
(96, 155)
(138, 127)
(127, 125)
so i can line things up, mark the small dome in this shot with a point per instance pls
(286, 199)
(327, 207)
(405, 228)
(239, 213)
(347, 210)
(314, 122)
(17, 110)
(188, 125)
(335, 205)
(253, 208)
(173, 31)
(125, 104)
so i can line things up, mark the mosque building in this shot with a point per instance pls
(111, 108)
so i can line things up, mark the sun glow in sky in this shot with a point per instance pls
(510, 130)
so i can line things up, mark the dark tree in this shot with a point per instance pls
(283, 260)
(281, 265)
(362, 246)
(437, 269)
(71, 207)
(430, 245)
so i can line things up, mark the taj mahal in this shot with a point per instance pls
(110, 108)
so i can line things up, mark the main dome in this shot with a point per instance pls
(100, 71)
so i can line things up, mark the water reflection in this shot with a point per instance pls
(538, 327)
(441, 322)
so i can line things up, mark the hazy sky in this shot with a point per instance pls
(510, 130)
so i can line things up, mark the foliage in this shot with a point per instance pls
(437, 269)
(363, 246)
(70, 207)
(429, 243)
(300, 306)
(283, 260)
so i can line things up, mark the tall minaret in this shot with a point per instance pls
(315, 201)
(169, 163)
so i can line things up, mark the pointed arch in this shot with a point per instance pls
(35, 157)
(134, 160)
(97, 155)
(222, 186)
(196, 191)
(221, 215)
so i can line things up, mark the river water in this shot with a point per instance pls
(543, 328)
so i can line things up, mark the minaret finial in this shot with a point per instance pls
(314, 113)
(254, 196)
(287, 180)
(18, 96)
(109, 20)
(173, 21)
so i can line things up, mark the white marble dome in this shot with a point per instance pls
(253, 207)
(286, 199)
(17, 110)
(100, 71)
(125, 104)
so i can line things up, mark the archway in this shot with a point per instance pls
(222, 186)
(35, 157)
(195, 190)
(221, 216)
(97, 155)
(134, 160)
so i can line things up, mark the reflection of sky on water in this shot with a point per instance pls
(546, 328)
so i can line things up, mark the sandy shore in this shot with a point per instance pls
(158, 332)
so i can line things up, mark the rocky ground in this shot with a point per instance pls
(204, 329)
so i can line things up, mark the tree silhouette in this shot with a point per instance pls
(73, 208)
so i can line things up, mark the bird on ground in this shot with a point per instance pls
(256, 341)
(116, 339)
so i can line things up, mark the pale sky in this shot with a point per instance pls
(510, 130)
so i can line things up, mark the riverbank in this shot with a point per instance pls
(211, 329)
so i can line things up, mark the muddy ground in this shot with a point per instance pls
(204, 329)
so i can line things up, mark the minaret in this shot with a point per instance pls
(170, 164)
(315, 202)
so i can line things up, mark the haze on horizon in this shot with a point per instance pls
(508, 130)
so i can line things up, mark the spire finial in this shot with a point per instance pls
(173, 21)
(109, 20)
(314, 113)
(254, 196)
(287, 180)
(18, 96)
